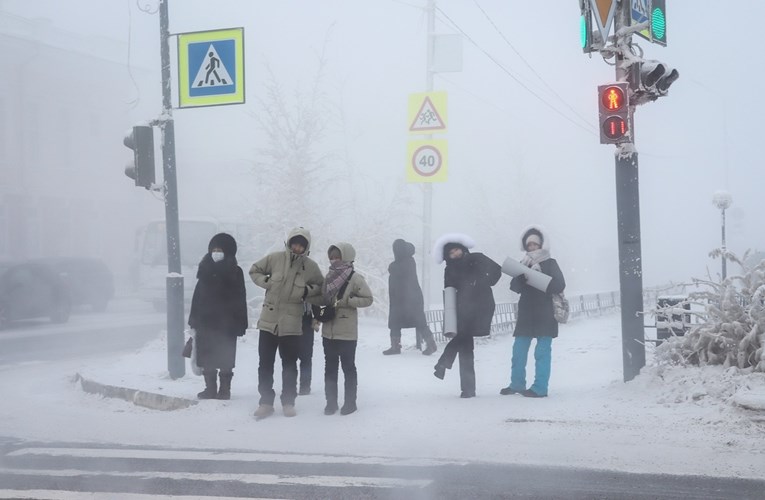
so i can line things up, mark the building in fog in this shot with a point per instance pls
(63, 114)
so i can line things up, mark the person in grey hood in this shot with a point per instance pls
(290, 278)
(345, 290)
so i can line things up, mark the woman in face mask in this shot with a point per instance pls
(218, 315)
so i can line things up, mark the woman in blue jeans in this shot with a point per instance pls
(535, 317)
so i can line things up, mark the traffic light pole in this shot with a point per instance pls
(427, 189)
(176, 365)
(628, 221)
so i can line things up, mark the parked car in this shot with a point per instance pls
(31, 290)
(89, 280)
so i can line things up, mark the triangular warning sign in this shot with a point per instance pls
(427, 118)
(212, 72)
(604, 15)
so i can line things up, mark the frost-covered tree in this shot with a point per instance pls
(732, 332)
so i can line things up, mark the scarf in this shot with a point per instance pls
(533, 258)
(336, 277)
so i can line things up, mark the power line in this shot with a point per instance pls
(510, 74)
(549, 87)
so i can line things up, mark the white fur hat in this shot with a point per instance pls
(441, 242)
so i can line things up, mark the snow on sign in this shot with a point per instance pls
(211, 68)
(640, 12)
(427, 161)
(427, 112)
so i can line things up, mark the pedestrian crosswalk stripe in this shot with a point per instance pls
(84, 495)
(269, 479)
(125, 453)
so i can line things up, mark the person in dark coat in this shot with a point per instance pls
(535, 317)
(406, 308)
(218, 315)
(473, 275)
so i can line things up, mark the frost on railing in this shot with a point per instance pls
(506, 313)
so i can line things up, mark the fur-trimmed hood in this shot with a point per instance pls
(535, 229)
(443, 240)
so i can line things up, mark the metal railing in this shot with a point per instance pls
(506, 313)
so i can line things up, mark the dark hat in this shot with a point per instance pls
(449, 246)
(299, 239)
(225, 242)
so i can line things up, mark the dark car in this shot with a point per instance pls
(31, 290)
(89, 280)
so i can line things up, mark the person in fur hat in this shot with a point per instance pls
(473, 275)
(218, 314)
(345, 290)
(290, 278)
(406, 306)
(535, 317)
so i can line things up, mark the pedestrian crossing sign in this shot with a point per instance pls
(211, 68)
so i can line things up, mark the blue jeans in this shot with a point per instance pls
(542, 359)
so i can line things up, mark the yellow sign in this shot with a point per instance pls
(427, 113)
(211, 68)
(427, 161)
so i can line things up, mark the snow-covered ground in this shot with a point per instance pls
(673, 420)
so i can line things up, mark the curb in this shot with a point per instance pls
(149, 400)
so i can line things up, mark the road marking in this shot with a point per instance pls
(270, 479)
(228, 456)
(83, 495)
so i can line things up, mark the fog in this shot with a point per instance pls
(80, 73)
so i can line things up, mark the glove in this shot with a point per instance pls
(522, 279)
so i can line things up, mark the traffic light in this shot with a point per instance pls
(614, 111)
(659, 22)
(589, 40)
(141, 169)
(657, 77)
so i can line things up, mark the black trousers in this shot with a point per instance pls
(462, 345)
(340, 352)
(288, 346)
(305, 352)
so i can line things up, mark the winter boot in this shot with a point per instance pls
(264, 411)
(211, 385)
(440, 371)
(430, 343)
(330, 392)
(224, 391)
(289, 410)
(348, 408)
(395, 346)
(508, 390)
(349, 403)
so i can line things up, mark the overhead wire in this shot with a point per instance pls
(589, 130)
(528, 65)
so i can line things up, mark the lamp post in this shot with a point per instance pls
(723, 200)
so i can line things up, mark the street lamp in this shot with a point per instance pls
(723, 200)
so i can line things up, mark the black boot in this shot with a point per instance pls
(429, 342)
(224, 392)
(211, 385)
(349, 403)
(395, 346)
(330, 392)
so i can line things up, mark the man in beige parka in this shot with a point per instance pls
(290, 278)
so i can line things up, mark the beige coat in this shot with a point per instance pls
(288, 280)
(357, 294)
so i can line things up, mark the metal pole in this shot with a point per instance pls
(176, 365)
(427, 209)
(724, 251)
(628, 221)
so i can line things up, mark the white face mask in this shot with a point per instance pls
(217, 256)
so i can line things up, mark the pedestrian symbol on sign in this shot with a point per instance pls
(212, 72)
(427, 118)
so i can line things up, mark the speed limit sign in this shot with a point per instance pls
(427, 161)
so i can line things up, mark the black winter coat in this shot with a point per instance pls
(218, 311)
(473, 276)
(535, 308)
(406, 304)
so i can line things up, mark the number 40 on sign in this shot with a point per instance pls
(427, 161)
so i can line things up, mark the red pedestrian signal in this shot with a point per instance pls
(614, 112)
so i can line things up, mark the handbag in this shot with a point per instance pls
(188, 348)
(561, 308)
(327, 313)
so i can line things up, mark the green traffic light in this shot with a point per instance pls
(658, 24)
(583, 31)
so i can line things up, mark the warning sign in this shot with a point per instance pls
(427, 113)
(427, 161)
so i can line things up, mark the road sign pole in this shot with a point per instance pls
(628, 221)
(176, 365)
(427, 209)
